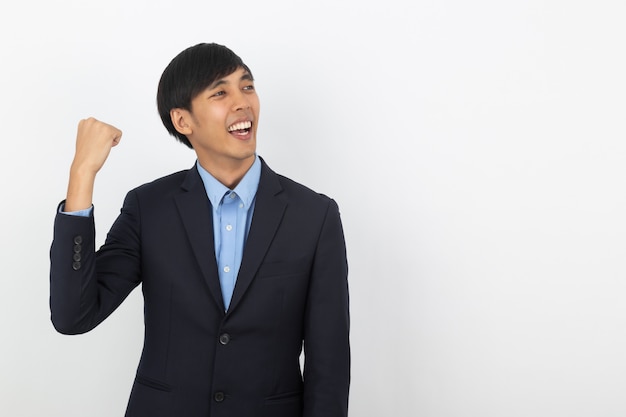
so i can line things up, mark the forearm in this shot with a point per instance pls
(87, 286)
(72, 273)
(80, 189)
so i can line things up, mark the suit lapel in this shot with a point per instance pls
(197, 217)
(269, 209)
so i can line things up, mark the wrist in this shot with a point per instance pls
(82, 172)
(79, 189)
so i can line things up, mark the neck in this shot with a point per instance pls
(229, 173)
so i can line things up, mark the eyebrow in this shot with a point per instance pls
(245, 77)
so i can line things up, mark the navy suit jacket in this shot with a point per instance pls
(197, 359)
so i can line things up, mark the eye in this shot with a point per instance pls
(249, 88)
(219, 93)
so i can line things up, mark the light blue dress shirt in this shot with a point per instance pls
(232, 216)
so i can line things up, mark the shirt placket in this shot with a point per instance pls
(228, 231)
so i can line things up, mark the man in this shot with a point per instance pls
(240, 267)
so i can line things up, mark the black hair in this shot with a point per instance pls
(190, 73)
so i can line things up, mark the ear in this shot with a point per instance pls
(181, 119)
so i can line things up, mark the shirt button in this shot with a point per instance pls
(240, 205)
(219, 397)
(229, 227)
(233, 195)
(227, 269)
(224, 338)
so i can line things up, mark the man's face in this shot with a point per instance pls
(223, 121)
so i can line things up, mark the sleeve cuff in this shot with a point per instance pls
(80, 213)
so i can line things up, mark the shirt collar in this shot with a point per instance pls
(246, 189)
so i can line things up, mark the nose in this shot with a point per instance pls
(241, 102)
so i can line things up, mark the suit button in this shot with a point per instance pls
(77, 248)
(76, 257)
(76, 266)
(78, 240)
(219, 397)
(224, 338)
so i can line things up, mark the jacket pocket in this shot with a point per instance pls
(284, 398)
(288, 404)
(149, 397)
(153, 383)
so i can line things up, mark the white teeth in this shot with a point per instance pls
(240, 126)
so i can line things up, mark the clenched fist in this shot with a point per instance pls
(94, 141)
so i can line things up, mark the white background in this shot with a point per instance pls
(476, 150)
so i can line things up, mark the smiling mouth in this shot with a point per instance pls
(240, 128)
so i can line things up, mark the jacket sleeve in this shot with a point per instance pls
(86, 285)
(327, 325)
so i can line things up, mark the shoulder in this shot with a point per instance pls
(295, 192)
(163, 186)
(295, 189)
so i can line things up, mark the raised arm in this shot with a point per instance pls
(87, 285)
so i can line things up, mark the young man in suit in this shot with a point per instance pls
(240, 267)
